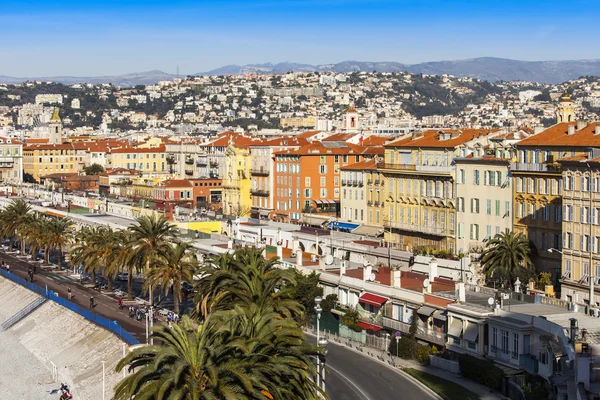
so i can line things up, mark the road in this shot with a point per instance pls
(351, 375)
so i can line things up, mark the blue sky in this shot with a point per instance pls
(42, 38)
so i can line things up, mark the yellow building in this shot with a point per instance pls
(237, 182)
(298, 122)
(146, 160)
(44, 159)
(419, 191)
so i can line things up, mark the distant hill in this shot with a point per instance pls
(486, 68)
(128, 80)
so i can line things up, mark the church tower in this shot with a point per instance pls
(350, 119)
(55, 127)
(566, 109)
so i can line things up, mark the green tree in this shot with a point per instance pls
(506, 256)
(307, 288)
(329, 302)
(14, 220)
(56, 235)
(149, 240)
(92, 248)
(94, 169)
(171, 269)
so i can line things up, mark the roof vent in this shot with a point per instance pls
(571, 130)
(597, 129)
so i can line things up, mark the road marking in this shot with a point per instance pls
(363, 394)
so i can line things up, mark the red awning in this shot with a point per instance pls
(366, 326)
(372, 299)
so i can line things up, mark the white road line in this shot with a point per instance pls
(363, 394)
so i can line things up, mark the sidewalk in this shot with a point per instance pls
(105, 305)
(482, 391)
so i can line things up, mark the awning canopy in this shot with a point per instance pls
(373, 299)
(425, 311)
(455, 328)
(342, 225)
(53, 214)
(368, 230)
(314, 221)
(317, 201)
(367, 326)
(471, 332)
(440, 316)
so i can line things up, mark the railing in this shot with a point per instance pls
(113, 326)
(533, 167)
(260, 172)
(429, 335)
(189, 161)
(214, 164)
(189, 172)
(25, 311)
(201, 163)
(260, 192)
(345, 182)
(432, 230)
(369, 203)
(528, 363)
(435, 168)
(376, 183)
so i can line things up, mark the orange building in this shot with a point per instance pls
(307, 180)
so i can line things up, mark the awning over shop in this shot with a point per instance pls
(317, 202)
(373, 299)
(425, 311)
(342, 225)
(314, 221)
(264, 212)
(471, 333)
(440, 316)
(455, 328)
(368, 230)
(367, 326)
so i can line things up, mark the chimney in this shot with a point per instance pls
(597, 129)
(460, 291)
(433, 269)
(280, 251)
(299, 258)
(343, 268)
(367, 271)
(230, 244)
(581, 124)
(571, 130)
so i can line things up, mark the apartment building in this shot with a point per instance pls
(580, 269)
(149, 160)
(237, 182)
(419, 175)
(45, 159)
(353, 204)
(483, 200)
(538, 186)
(11, 160)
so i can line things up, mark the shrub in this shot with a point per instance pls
(481, 371)
(423, 353)
(407, 348)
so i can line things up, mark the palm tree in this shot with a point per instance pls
(248, 356)
(14, 219)
(115, 260)
(246, 277)
(33, 232)
(172, 268)
(58, 233)
(507, 256)
(149, 240)
(90, 249)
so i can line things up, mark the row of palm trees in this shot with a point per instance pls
(243, 339)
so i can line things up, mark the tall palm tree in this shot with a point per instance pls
(255, 356)
(176, 265)
(507, 256)
(149, 240)
(90, 249)
(58, 234)
(14, 218)
(34, 232)
(246, 277)
(115, 260)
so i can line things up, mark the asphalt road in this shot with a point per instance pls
(353, 376)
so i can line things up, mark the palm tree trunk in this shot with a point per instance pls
(109, 282)
(130, 284)
(176, 296)
(47, 255)
(59, 256)
(150, 292)
(94, 277)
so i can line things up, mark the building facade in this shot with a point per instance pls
(11, 160)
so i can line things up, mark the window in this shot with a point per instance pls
(497, 207)
(460, 204)
(568, 240)
(586, 269)
(499, 178)
(475, 206)
(585, 215)
(492, 178)
(323, 181)
(515, 351)
(307, 181)
(504, 343)
(474, 233)
(567, 267)
(322, 169)
(476, 177)
(488, 207)
(494, 339)
(461, 176)
(323, 192)
(507, 208)
(585, 184)
(519, 185)
(568, 213)
(308, 193)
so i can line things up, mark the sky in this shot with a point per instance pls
(109, 37)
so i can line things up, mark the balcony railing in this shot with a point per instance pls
(431, 230)
(528, 363)
(424, 334)
(260, 192)
(319, 211)
(201, 163)
(189, 161)
(376, 183)
(369, 203)
(345, 182)
(535, 167)
(214, 163)
(6, 164)
(435, 168)
(260, 172)
(189, 172)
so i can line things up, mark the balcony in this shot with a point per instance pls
(360, 183)
(201, 163)
(369, 182)
(529, 363)
(345, 182)
(435, 168)
(189, 161)
(369, 203)
(329, 210)
(6, 163)
(376, 183)
(260, 172)
(428, 335)
(446, 169)
(214, 164)
(427, 229)
(189, 172)
(535, 167)
(260, 192)
(376, 204)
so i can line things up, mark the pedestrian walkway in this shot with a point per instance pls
(482, 391)
(105, 306)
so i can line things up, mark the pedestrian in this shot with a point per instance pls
(92, 301)
(69, 294)
(35, 269)
(7, 268)
(30, 272)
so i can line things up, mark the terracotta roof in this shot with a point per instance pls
(317, 149)
(557, 135)
(176, 183)
(36, 140)
(361, 166)
(431, 138)
(159, 149)
(307, 135)
(339, 137)
(12, 141)
(375, 140)
(350, 109)
(64, 146)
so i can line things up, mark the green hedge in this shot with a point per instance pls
(481, 371)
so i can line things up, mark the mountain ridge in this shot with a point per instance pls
(485, 68)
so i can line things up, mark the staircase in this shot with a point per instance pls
(25, 311)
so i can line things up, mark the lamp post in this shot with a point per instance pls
(318, 310)
(387, 338)
(322, 342)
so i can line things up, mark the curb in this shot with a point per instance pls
(398, 370)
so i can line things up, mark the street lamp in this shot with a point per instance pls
(553, 250)
(322, 342)
(318, 310)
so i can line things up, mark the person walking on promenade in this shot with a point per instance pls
(92, 301)
(7, 268)
(30, 272)
(69, 294)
